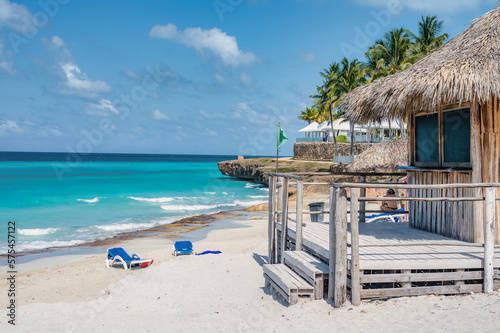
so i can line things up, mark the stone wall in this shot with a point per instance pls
(322, 151)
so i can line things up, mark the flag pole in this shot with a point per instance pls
(277, 149)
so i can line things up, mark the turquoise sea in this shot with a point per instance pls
(58, 199)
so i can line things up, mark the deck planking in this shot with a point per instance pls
(396, 246)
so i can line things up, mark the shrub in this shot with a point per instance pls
(341, 138)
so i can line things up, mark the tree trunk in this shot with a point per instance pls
(353, 136)
(333, 134)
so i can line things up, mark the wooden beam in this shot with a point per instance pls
(272, 220)
(298, 220)
(415, 186)
(477, 174)
(284, 217)
(331, 243)
(489, 232)
(362, 204)
(355, 281)
(340, 293)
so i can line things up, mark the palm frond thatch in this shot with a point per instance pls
(383, 156)
(467, 68)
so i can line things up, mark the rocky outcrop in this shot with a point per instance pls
(322, 151)
(255, 172)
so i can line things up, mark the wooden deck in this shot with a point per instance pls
(396, 246)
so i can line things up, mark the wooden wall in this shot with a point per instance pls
(464, 220)
(452, 219)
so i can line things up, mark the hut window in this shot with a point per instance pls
(456, 137)
(427, 139)
(442, 139)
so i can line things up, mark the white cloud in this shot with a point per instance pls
(14, 15)
(219, 78)
(243, 109)
(56, 132)
(431, 6)
(209, 132)
(79, 84)
(73, 80)
(8, 127)
(102, 109)
(246, 79)
(207, 115)
(6, 65)
(159, 116)
(57, 41)
(214, 40)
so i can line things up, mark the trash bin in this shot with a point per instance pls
(317, 207)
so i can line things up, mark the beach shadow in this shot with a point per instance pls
(260, 259)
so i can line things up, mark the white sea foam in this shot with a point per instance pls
(248, 203)
(36, 245)
(258, 196)
(36, 231)
(189, 207)
(156, 200)
(96, 199)
(125, 226)
(253, 185)
(211, 193)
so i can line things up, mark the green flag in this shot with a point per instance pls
(281, 137)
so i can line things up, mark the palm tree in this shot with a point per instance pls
(352, 75)
(309, 115)
(429, 37)
(391, 54)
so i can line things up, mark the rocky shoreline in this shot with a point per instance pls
(258, 169)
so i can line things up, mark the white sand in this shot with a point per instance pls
(218, 293)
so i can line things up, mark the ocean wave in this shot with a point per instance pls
(253, 185)
(189, 207)
(125, 226)
(37, 232)
(211, 193)
(96, 199)
(37, 245)
(158, 200)
(248, 203)
(258, 196)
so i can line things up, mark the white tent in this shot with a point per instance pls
(312, 127)
(386, 124)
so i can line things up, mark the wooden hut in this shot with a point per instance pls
(451, 101)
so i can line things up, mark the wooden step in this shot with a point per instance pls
(309, 268)
(287, 283)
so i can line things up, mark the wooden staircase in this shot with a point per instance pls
(301, 276)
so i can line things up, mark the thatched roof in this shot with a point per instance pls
(467, 68)
(383, 156)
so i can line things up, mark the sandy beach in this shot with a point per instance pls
(213, 293)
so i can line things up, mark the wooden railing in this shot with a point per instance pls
(337, 291)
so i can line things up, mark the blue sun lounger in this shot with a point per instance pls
(183, 247)
(393, 217)
(119, 255)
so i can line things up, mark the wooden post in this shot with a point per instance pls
(331, 243)
(280, 196)
(340, 293)
(362, 204)
(298, 218)
(272, 224)
(355, 280)
(489, 232)
(284, 216)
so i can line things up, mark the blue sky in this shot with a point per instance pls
(193, 77)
